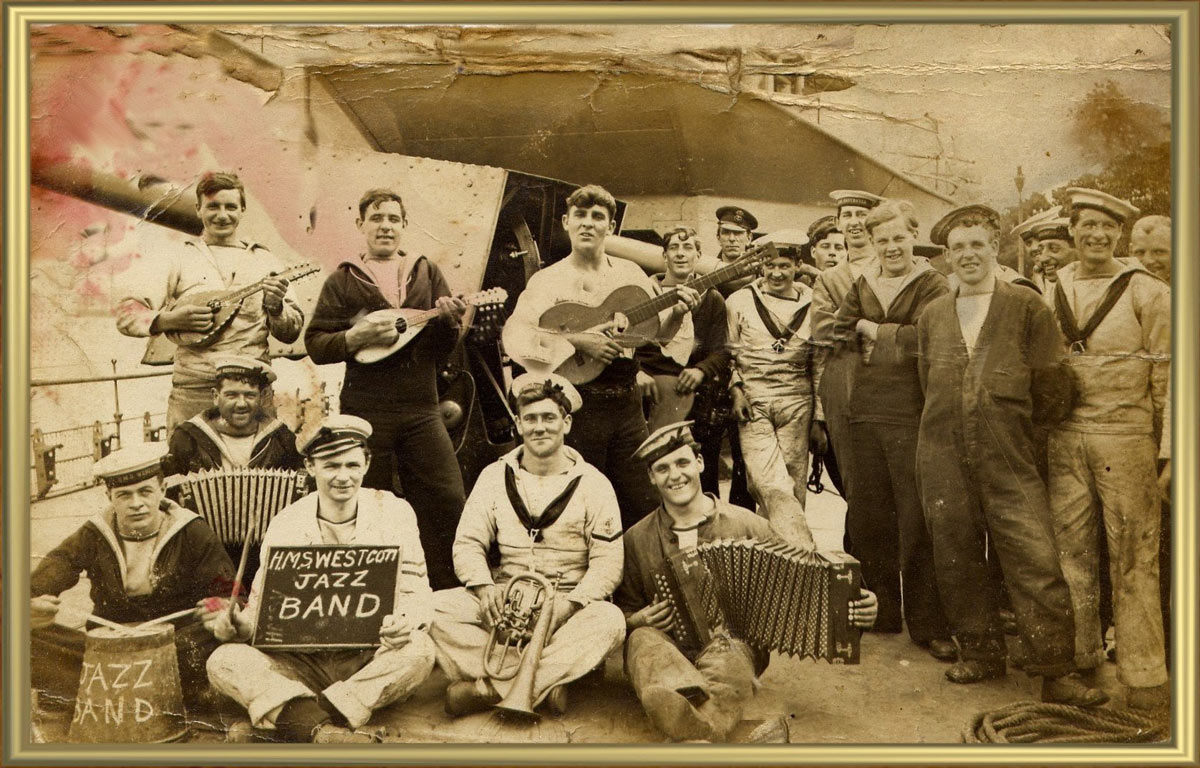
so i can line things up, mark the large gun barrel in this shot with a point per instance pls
(146, 197)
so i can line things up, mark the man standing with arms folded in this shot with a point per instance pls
(611, 425)
(326, 696)
(218, 261)
(884, 519)
(991, 362)
(398, 394)
(1116, 318)
(546, 510)
(836, 379)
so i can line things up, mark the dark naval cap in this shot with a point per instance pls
(334, 435)
(665, 440)
(941, 230)
(239, 365)
(732, 216)
(821, 228)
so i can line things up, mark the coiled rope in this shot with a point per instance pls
(1029, 722)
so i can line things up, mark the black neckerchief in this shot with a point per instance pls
(549, 515)
(1076, 336)
(781, 335)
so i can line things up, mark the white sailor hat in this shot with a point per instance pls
(1052, 229)
(240, 365)
(333, 435)
(553, 381)
(855, 197)
(126, 466)
(1024, 230)
(1119, 209)
(664, 440)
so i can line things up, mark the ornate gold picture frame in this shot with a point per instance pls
(303, 89)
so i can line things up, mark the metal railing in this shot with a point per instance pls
(54, 474)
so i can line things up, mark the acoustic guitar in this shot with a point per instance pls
(410, 322)
(635, 312)
(226, 305)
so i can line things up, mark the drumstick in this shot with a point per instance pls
(164, 619)
(110, 624)
(237, 579)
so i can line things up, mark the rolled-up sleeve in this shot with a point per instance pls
(144, 293)
(524, 339)
(286, 327)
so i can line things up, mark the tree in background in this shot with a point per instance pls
(1131, 142)
(1129, 145)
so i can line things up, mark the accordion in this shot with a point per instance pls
(772, 595)
(239, 503)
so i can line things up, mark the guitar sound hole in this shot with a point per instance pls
(401, 325)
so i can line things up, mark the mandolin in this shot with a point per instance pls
(226, 305)
(409, 323)
(635, 312)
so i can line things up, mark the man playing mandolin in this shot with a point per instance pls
(397, 394)
(218, 261)
(612, 425)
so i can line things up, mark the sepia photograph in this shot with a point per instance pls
(607, 383)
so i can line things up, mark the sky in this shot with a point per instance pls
(1001, 94)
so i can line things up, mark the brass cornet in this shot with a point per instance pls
(522, 630)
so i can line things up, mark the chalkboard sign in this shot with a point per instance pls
(325, 596)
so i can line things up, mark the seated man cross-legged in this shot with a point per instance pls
(313, 695)
(146, 557)
(690, 693)
(550, 511)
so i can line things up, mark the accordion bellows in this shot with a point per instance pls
(771, 595)
(239, 503)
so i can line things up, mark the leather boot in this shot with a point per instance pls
(674, 715)
(465, 697)
(1069, 689)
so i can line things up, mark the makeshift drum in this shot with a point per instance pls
(129, 690)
